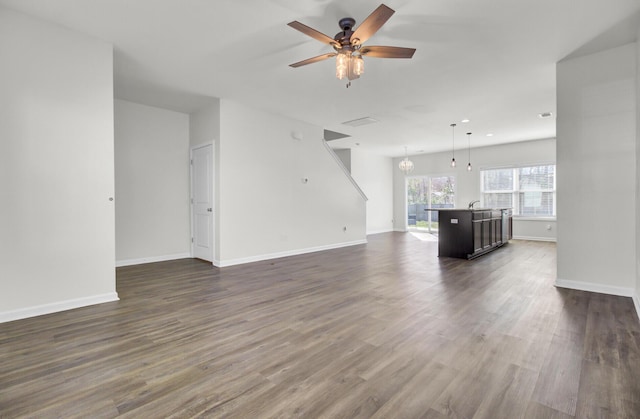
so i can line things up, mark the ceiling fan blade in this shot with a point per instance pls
(312, 33)
(313, 60)
(371, 24)
(387, 52)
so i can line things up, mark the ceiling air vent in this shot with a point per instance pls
(360, 121)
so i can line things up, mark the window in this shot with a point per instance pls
(530, 191)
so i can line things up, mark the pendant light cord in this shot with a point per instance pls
(453, 145)
(469, 150)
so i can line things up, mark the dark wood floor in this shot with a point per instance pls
(379, 330)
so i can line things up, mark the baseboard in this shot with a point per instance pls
(599, 288)
(636, 302)
(40, 310)
(129, 262)
(537, 239)
(379, 231)
(240, 261)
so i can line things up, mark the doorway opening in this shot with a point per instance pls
(424, 194)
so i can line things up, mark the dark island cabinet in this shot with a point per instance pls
(470, 233)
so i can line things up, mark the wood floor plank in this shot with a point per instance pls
(608, 340)
(606, 391)
(557, 386)
(367, 398)
(416, 396)
(537, 410)
(385, 329)
(510, 395)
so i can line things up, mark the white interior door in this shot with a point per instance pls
(202, 202)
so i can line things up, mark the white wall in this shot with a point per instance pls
(468, 183)
(637, 293)
(57, 245)
(596, 149)
(374, 175)
(636, 298)
(264, 209)
(344, 155)
(204, 125)
(152, 184)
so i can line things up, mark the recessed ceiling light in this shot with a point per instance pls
(489, 135)
(545, 115)
(464, 121)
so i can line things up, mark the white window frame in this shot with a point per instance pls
(515, 192)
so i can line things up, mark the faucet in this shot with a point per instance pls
(472, 202)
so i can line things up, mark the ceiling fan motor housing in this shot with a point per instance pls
(347, 23)
(344, 38)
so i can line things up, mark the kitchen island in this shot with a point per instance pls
(469, 233)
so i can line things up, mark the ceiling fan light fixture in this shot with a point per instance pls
(349, 65)
(342, 65)
(357, 64)
(348, 44)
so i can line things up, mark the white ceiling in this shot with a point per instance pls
(491, 61)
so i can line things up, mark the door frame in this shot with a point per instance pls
(213, 198)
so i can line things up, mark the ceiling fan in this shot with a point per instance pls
(348, 44)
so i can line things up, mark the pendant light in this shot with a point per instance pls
(469, 137)
(453, 145)
(406, 165)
